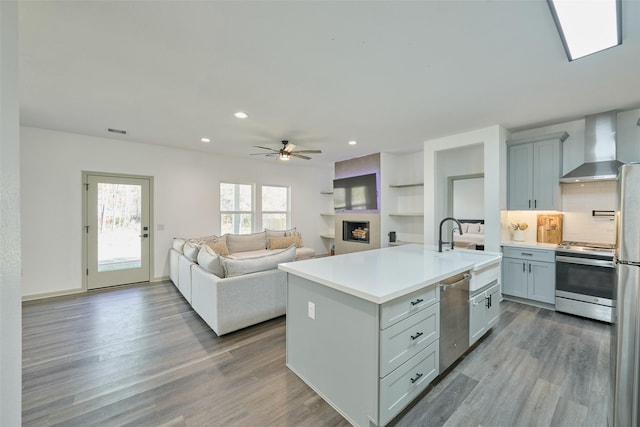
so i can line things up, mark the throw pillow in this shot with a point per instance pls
(210, 261)
(246, 242)
(284, 242)
(191, 250)
(219, 248)
(178, 244)
(238, 267)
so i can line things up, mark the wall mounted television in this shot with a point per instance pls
(356, 193)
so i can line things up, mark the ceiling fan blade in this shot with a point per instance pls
(309, 151)
(300, 156)
(289, 147)
(264, 154)
(266, 148)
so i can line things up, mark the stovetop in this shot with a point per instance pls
(588, 247)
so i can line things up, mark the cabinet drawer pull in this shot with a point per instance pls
(416, 336)
(416, 302)
(525, 254)
(413, 380)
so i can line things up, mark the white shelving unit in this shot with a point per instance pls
(402, 202)
(328, 217)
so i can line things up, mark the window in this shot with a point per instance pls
(587, 27)
(236, 208)
(275, 207)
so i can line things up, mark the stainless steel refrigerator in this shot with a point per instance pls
(625, 341)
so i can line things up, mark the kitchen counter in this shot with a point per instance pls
(382, 275)
(363, 329)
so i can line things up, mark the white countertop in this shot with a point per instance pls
(381, 275)
(535, 245)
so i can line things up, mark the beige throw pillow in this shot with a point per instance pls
(210, 261)
(284, 242)
(219, 248)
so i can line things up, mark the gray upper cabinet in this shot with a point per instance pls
(534, 167)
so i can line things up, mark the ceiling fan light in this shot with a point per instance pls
(284, 156)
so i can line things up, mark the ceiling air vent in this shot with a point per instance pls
(121, 132)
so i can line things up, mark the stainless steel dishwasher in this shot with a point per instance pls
(454, 319)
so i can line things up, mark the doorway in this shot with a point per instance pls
(117, 218)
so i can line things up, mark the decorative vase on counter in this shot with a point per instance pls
(518, 235)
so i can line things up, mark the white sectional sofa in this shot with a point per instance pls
(240, 285)
(472, 234)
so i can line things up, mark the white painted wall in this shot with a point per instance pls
(468, 198)
(186, 198)
(10, 306)
(493, 140)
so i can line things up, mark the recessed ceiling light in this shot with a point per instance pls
(205, 139)
(353, 142)
(241, 115)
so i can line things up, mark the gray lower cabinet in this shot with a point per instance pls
(368, 361)
(529, 274)
(484, 311)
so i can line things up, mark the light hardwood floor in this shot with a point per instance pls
(138, 355)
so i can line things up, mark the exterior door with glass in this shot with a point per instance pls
(117, 230)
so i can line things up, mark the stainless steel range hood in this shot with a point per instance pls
(600, 162)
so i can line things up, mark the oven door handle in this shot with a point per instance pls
(585, 261)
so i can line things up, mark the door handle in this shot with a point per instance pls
(529, 268)
(523, 267)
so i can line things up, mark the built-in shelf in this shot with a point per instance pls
(406, 214)
(328, 214)
(327, 236)
(400, 243)
(414, 184)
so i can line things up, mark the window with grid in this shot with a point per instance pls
(275, 207)
(236, 208)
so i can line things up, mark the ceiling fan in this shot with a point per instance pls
(286, 152)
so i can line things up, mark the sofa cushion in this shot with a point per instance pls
(178, 244)
(278, 233)
(473, 229)
(284, 242)
(191, 250)
(246, 242)
(210, 261)
(237, 267)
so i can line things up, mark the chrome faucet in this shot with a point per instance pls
(440, 242)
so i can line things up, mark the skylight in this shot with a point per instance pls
(587, 26)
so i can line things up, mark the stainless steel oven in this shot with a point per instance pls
(585, 281)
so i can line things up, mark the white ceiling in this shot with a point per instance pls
(390, 74)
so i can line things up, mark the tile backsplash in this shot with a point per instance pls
(578, 202)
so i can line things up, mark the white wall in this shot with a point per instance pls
(186, 198)
(493, 140)
(10, 307)
(468, 198)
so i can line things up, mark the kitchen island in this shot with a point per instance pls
(363, 328)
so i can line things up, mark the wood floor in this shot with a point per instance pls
(140, 356)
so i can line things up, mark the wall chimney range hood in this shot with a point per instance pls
(600, 162)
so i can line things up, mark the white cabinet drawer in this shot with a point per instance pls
(401, 386)
(402, 341)
(543, 255)
(401, 308)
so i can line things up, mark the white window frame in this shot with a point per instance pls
(252, 212)
(288, 209)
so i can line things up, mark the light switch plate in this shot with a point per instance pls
(312, 310)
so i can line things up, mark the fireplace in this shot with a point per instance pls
(355, 231)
